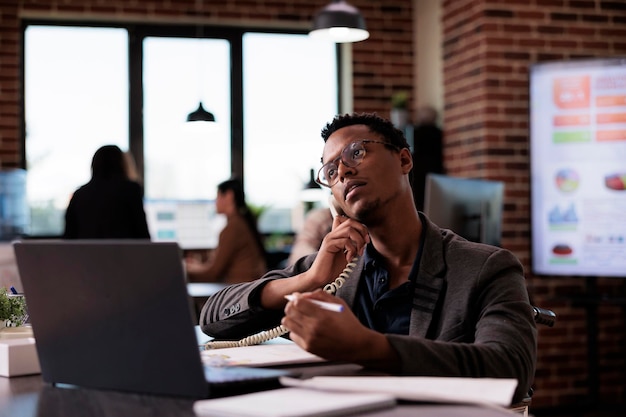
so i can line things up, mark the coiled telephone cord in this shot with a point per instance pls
(278, 331)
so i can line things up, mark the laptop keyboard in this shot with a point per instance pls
(236, 375)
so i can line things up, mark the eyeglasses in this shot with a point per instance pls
(351, 156)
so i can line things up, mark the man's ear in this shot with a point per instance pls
(406, 160)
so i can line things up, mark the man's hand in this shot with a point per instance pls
(337, 336)
(346, 240)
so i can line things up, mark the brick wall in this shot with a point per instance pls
(382, 65)
(487, 48)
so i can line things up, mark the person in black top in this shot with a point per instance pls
(110, 205)
(427, 153)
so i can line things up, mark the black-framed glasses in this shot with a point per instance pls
(351, 156)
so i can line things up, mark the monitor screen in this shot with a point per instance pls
(193, 224)
(471, 208)
(578, 169)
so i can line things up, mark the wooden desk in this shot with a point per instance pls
(29, 397)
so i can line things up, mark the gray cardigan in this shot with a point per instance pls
(471, 314)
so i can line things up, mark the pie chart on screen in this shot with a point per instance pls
(615, 181)
(567, 180)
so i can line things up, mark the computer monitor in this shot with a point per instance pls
(471, 208)
(193, 224)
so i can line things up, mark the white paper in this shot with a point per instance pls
(259, 355)
(292, 402)
(483, 391)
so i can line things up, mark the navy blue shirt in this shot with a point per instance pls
(378, 307)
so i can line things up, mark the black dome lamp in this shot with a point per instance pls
(312, 184)
(339, 22)
(312, 194)
(200, 115)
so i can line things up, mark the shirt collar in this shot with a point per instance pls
(370, 256)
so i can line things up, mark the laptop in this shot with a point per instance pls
(116, 315)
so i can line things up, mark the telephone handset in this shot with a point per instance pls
(278, 331)
(335, 209)
(332, 287)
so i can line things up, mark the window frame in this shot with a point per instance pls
(136, 34)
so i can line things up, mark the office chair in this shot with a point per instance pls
(544, 316)
(548, 318)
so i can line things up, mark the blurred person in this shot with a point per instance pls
(317, 223)
(131, 168)
(427, 152)
(240, 254)
(110, 205)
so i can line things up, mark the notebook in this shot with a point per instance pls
(116, 315)
(294, 402)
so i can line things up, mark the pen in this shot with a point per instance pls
(323, 304)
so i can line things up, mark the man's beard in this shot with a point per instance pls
(370, 213)
(373, 213)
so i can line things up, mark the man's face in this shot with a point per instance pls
(362, 190)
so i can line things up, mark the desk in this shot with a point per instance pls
(29, 397)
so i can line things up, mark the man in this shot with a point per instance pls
(420, 301)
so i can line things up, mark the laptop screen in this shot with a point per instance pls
(112, 315)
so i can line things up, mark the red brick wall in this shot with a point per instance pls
(488, 46)
(382, 65)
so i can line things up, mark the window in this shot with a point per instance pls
(271, 94)
(290, 93)
(185, 160)
(76, 95)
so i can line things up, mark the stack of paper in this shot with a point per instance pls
(293, 402)
(341, 395)
(18, 357)
(482, 391)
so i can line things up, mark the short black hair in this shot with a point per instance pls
(374, 122)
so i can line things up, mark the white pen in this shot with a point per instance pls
(323, 304)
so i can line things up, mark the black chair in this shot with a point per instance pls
(548, 318)
(544, 316)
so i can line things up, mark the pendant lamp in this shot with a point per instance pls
(312, 192)
(339, 22)
(200, 115)
(312, 184)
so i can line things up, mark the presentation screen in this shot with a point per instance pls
(578, 167)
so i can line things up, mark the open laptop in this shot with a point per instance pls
(115, 315)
